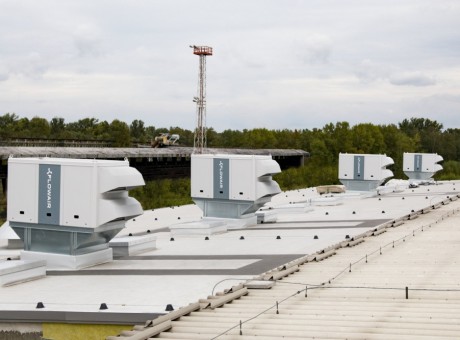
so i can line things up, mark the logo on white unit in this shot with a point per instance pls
(221, 174)
(49, 173)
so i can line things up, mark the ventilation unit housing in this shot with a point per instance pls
(70, 207)
(232, 186)
(363, 172)
(421, 166)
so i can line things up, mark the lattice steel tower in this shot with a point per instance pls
(199, 142)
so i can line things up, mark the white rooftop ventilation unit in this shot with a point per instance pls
(67, 210)
(231, 186)
(363, 172)
(421, 166)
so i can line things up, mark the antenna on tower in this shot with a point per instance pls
(199, 142)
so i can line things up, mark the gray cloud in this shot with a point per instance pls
(412, 79)
(368, 71)
(33, 65)
(4, 74)
(88, 40)
(316, 49)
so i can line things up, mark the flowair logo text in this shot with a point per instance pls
(221, 175)
(49, 187)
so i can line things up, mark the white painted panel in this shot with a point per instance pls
(122, 176)
(408, 161)
(429, 161)
(266, 187)
(22, 192)
(202, 176)
(242, 179)
(372, 168)
(267, 166)
(375, 167)
(116, 205)
(78, 201)
(346, 164)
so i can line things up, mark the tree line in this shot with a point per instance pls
(414, 134)
(324, 145)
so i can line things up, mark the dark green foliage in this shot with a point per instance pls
(306, 176)
(428, 133)
(120, 133)
(8, 123)
(137, 131)
(451, 171)
(163, 193)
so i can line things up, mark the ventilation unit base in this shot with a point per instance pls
(69, 262)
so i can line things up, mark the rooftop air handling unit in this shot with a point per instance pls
(363, 172)
(421, 166)
(67, 210)
(231, 186)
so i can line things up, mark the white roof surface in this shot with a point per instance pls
(356, 305)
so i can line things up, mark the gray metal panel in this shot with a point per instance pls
(418, 163)
(223, 208)
(82, 230)
(358, 168)
(49, 193)
(98, 317)
(419, 175)
(221, 178)
(355, 185)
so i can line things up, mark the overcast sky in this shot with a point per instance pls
(276, 64)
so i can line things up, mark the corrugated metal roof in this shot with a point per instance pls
(358, 292)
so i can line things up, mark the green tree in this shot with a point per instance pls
(426, 130)
(337, 138)
(102, 131)
(7, 124)
(83, 128)
(212, 138)
(173, 192)
(231, 138)
(39, 128)
(286, 139)
(449, 144)
(57, 127)
(260, 138)
(320, 153)
(367, 138)
(21, 128)
(137, 131)
(119, 133)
